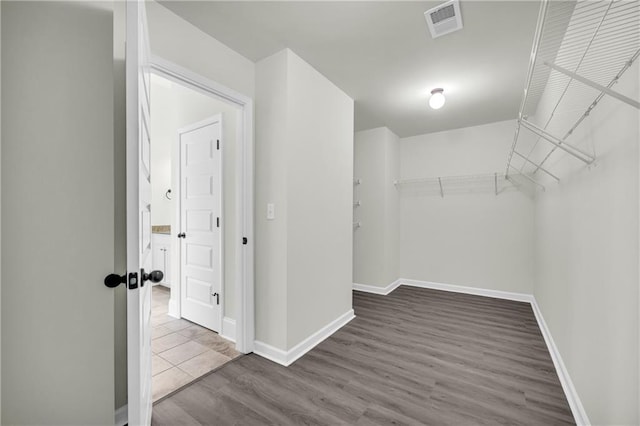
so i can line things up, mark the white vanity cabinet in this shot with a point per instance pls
(161, 256)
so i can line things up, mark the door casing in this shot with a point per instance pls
(244, 255)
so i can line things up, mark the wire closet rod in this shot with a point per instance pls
(441, 181)
(569, 149)
(478, 182)
(448, 178)
(595, 85)
(532, 64)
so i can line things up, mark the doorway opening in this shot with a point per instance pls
(202, 310)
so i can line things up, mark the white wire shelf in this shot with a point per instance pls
(580, 51)
(495, 183)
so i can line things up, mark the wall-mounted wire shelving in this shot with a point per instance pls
(495, 183)
(580, 51)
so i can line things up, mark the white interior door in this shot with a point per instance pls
(200, 148)
(138, 216)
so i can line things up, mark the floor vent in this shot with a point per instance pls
(444, 19)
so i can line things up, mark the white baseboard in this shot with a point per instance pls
(579, 414)
(228, 329)
(577, 409)
(287, 358)
(375, 289)
(270, 352)
(122, 416)
(497, 294)
(312, 341)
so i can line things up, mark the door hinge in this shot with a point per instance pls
(133, 280)
(218, 222)
(218, 144)
(244, 240)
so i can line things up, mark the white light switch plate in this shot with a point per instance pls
(271, 211)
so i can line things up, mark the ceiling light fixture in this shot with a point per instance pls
(437, 98)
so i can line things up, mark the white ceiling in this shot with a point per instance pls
(382, 55)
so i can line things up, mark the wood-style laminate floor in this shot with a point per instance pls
(415, 356)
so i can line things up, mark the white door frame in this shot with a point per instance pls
(176, 182)
(244, 287)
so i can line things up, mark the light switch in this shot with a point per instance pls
(271, 211)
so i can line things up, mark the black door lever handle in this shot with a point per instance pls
(182, 235)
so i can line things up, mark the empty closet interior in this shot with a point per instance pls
(542, 208)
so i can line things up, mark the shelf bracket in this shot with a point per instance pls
(535, 182)
(441, 191)
(594, 85)
(570, 149)
(538, 166)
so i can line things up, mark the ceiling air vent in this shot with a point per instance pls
(444, 19)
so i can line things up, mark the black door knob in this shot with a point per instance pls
(114, 280)
(182, 235)
(153, 276)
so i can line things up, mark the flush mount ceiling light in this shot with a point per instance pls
(437, 98)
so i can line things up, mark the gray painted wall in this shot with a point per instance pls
(474, 239)
(587, 258)
(467, 238)
(304, 152)
(120, 201)
(169, 34)
(320, 196)
(57, 213)
(377, 242)
(0, 212)
(270, 186)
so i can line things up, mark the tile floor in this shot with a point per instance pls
(182, 350)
